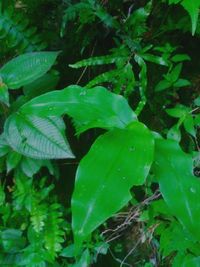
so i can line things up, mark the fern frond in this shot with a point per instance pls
(53, 230)
(38, 216)
(15, 32)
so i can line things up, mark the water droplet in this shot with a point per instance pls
(124, 178)
(119, 169)
(192, 190)
(51, 108)
(131, 149)
(83, 93)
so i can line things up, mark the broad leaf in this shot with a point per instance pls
(26, 68)
(192, 7)
(89, 108)
(35, 137)
(118, 160)
(179, 187)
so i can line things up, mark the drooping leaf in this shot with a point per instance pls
(96, 107)
(179, 187)
(26, 68)
(118, 160)
(31, 166)
(36, 137)
(192, 7)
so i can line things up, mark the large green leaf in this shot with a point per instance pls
(117, 160)
(179, 187)
(192, 7)
(89, 108)
(26, 68)
(35, 137)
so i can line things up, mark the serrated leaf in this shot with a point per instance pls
(96, 107)
(179, 187)
(117, 160)
(26, 68)
(36, 137)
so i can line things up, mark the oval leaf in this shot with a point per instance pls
(35, 137)
(26, 68)
(179, 187)
(89, 108)
(118, 160)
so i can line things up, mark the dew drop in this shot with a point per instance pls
(83, 93)
(124, 178)
(131, 149)
(119, 169)
(192, 190)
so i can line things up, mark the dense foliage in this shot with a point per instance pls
(99, 141)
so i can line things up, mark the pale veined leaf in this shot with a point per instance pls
(36, 137)
(26, 68)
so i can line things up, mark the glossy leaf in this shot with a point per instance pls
(26, 68)
(35, 137)
(179, 187)
(192, 7)
(89, 108)
(118, 160)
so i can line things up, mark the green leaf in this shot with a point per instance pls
(12, 240)
(26, 68)
(94, 61)
(31, 166)
(117, 160)
(181, 83)
(4, 148)
(174, 133)
(189, 125)
(41, 86)
(178, 111)
(192, 8)
(12, 160)
(96, 107)
(180, 57)
(175, 73)
(4, 95)
(155, 59)
(35, 137)
(163, 85)
(179, 187)
(191, 261)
